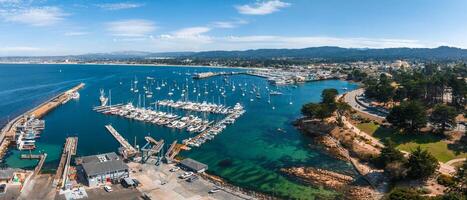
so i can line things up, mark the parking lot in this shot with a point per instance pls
(118, 192)
(159, 183)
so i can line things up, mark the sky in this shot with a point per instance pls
(66, 27)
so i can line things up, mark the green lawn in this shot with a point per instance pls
(408, 142)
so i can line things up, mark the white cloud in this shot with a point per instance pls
(229, 24)
(131, 28)
(191, 32)
(262, 8)
(76, 33)
(119, 6)
(41, 16)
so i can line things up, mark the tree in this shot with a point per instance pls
(396, 170)
(390, 154)
(404, 194)
(342, 108)
(421, 164)
(317, 111)
(443, 115)
(410, 116)
(461, 178)
(328, 96)
(324, 109)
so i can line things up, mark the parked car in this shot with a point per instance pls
(192, 178)
(186, 175)
(108, 188)
(174, 169)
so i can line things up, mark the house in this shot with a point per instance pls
(193, 165)
(102, 168)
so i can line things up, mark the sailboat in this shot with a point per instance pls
(170, 92)
(157, 87)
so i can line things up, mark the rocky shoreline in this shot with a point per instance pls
(343, 144)
(328, 179)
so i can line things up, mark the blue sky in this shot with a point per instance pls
(61, 27)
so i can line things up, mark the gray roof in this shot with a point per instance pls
(102, 163)
(193, 164)
(6, 173)
(95, 158)
(97, 168)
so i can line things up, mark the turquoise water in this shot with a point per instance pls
(248, 153)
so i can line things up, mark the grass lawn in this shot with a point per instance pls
(409, 142)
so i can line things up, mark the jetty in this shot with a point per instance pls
(173, 150)
(211, 74)
(38, 168)
(9, 131)
(69, 149)
(127, 150)
(152, 147)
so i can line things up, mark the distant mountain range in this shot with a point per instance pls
(326, 52)
(440, 53)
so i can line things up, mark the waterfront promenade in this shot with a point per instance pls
(8, 132)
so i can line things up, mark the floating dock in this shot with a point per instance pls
(128, 151)
(8, 132)
(69, 149)
(31, 156)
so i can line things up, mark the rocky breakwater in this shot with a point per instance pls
(332, 180)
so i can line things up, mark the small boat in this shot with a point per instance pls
(75, 95)
(275, 93)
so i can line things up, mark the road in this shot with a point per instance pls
(351, 99)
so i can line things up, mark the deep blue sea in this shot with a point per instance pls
(252, 150)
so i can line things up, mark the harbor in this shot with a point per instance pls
(24, 129)
(263, 147)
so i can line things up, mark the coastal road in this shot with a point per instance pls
(351, 99)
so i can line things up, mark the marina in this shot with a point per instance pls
(263, 148)
(24, 129)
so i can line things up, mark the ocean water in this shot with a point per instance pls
(248, 153)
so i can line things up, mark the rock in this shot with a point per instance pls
(313, 128)
(328, 179)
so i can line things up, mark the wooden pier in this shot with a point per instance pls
(38, 168)
(173, 150)
(8, 132)
(128, 151)
(69, 149)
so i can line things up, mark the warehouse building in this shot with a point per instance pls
(193, 165)
(102, 168)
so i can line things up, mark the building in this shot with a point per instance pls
(102, 168)
(193, 165)
(7, 175)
